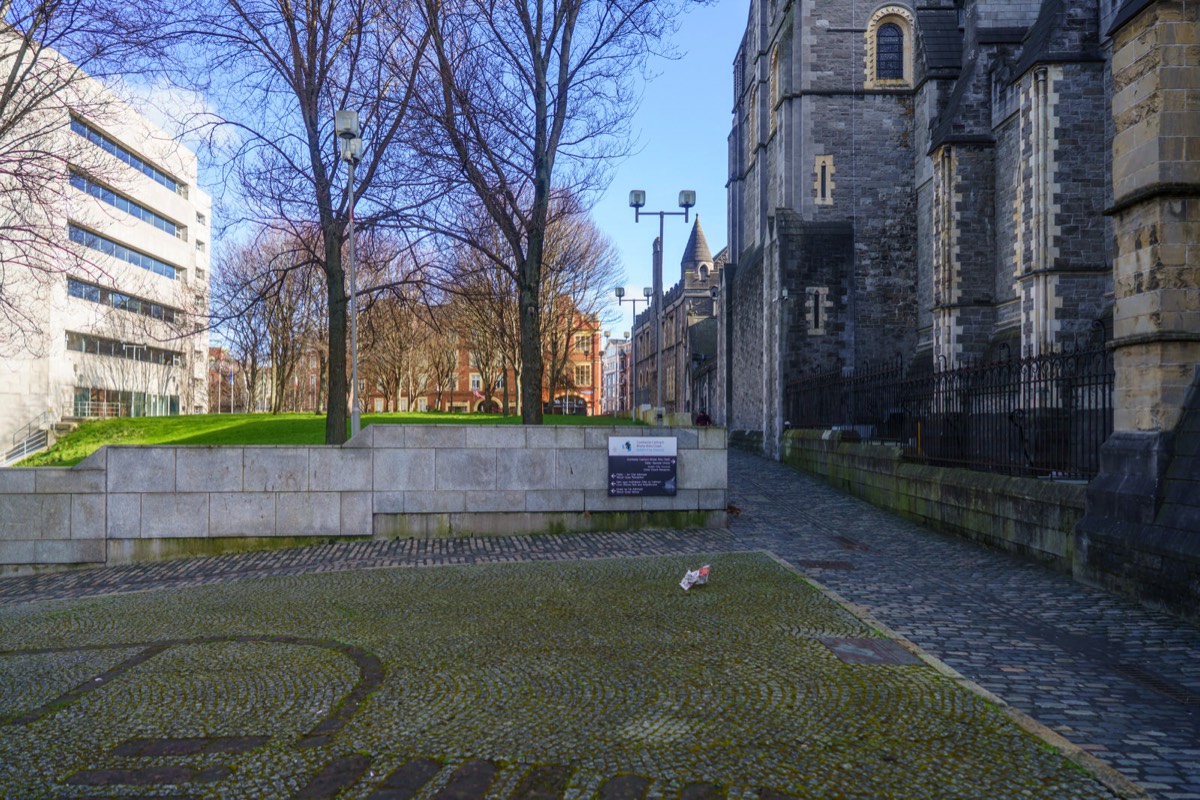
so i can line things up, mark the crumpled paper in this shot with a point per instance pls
(695, 577)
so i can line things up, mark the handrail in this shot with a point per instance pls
(25, 432)
(98, 409)
(34, 442)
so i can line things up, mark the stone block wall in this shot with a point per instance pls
(1032, 518)
(744, 309)
(53, 516)
(1005, 13)
(134, 503)
(1141, 533)
(816, 256)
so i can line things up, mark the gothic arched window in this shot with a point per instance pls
(889, 45)
(889, 52)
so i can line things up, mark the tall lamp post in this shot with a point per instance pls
(350, 145)
(637, 199)
(647, 292)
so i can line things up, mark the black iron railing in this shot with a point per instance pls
(1046, 415)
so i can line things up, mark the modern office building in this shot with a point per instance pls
(117, 295)
(615, 398)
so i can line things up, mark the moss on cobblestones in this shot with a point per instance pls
(605, 667)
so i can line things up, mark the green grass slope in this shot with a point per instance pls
(241, 429)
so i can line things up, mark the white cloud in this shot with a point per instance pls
(182, 113)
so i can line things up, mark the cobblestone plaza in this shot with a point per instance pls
(574, 666)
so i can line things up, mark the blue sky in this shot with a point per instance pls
(683, 125)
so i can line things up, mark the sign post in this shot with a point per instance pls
(642, 466)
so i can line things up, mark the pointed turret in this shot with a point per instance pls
(696, 252)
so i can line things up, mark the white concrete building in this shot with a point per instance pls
(117, 296)
(614, 380)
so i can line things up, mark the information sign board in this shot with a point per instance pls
(641, 466)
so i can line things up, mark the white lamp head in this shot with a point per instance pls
(345, 123)
(637, 198)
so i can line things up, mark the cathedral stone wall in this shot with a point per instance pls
(816, 260)
(870, 141)
(1006, 13)
(745, 318)
(1029, 185)
(1006, 259)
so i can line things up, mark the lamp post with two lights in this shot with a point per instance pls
(647, 292)
(637, 199)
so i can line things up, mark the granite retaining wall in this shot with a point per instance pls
(126, 504)
(1030, 517)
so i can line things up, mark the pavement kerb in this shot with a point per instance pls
(1111, 778)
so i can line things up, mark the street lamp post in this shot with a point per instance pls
(637, 199)
(646, 292)
(350, 145)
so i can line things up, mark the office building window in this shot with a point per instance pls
(123, 203)
(121, 301)
(107, 246)
(110, 146)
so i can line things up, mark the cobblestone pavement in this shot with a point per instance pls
(1120, 681)
(1117, 680)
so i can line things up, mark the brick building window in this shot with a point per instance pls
(583, 375)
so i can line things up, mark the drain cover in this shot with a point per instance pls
(1152, 680)
(868, 651)
(810, 564)
(846, 543)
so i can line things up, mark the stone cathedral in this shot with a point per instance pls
(934, 183)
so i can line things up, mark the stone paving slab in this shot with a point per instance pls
(596, 678)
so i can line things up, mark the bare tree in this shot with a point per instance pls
(241, 292)
(391, 335)
(267, 306)
(285, 67)
(486, 301)
(580, 273)
(532, 100)
(580, 270)
(441, 351)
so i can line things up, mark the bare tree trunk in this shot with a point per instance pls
(335, 417)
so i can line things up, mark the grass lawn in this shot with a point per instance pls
(252, 429)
